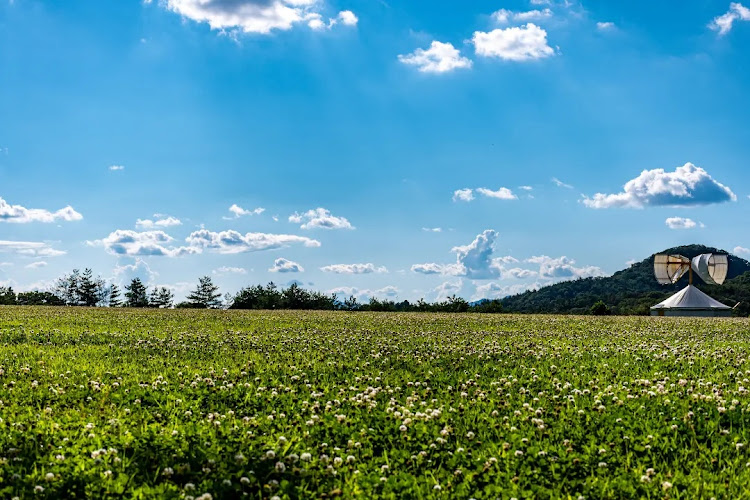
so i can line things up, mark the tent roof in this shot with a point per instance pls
(690, 298)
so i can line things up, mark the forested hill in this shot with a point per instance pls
(633, 290)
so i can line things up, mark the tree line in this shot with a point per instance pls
(82, 288)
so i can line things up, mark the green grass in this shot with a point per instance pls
(177, 404)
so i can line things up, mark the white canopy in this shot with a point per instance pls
(690, 298)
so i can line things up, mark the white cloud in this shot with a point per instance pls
(162, 222)
(526, 188)
(130, 243)
(680, 223)
(432, 229)
(231, 242)
(741, 250)
(504, 16)
(473, 260)
(229, 270)
(518, 273)
(687, 185)
(495, 290)
(282, 265)
(238, 211)
(320, 218)
(723, 23)
(605, 26)
(347, 18)
(562, 268)
(501, 194)
(353, 269)
(138, 269)
(463, 195)
(116, 168)
(363, 295)
(523, 43)
(248, 16)
(439, 58)
(448, 288)
(21, 215)
(36, 265)
(29, 248)
(561, 184)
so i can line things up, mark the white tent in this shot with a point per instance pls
(690, 302)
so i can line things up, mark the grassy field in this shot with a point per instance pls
(217, 404)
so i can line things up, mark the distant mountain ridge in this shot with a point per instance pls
(633, 290)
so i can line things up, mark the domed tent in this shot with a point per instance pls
(691, 302)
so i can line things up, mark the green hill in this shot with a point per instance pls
(633, 290)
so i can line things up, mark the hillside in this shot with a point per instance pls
(633, 290)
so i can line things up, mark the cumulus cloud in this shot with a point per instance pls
(363, 295)
(252, 16)
(159, 222)
(353, 269)
(562, 268)
(741, 250)
(223, 270)
(605, 26)
(230, 242)
(36, 265)
(723, 23)
(448, 288)
(473, 260)
(347, 18)
(504, 16)
(524, 43)
(238, 211)
(463, 195)
(138, 244)
(139, 268)
(439, 58)
(29, 248)
(432, 229)
(116, 168)
(21, 215)
(282, 265)
(680, 223)
(495, 290)
(687, 185)
(320, 218)
(501, 194)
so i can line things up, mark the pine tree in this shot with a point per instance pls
(206, 294)
(161, 297)
(137, 294)
(114, 296)
(88, 289)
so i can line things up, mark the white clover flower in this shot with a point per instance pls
(280, 467)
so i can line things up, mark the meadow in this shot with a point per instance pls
(112, 403)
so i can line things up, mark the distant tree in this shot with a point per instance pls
(350, 304)
(161, 297)
(136, 294)
(7, 296)
(206, 295)
(600, 309)
(39, 299)
(488, 306)
(67, 288)
(89, 289)
(114, 296)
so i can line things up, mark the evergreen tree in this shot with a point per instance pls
(114, 296)
(88, 289)
(67, 288)
(206, 295)
(137, 294)
(161, 297)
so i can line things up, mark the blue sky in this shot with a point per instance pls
(400, 149)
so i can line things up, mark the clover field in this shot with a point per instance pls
(103, 403)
